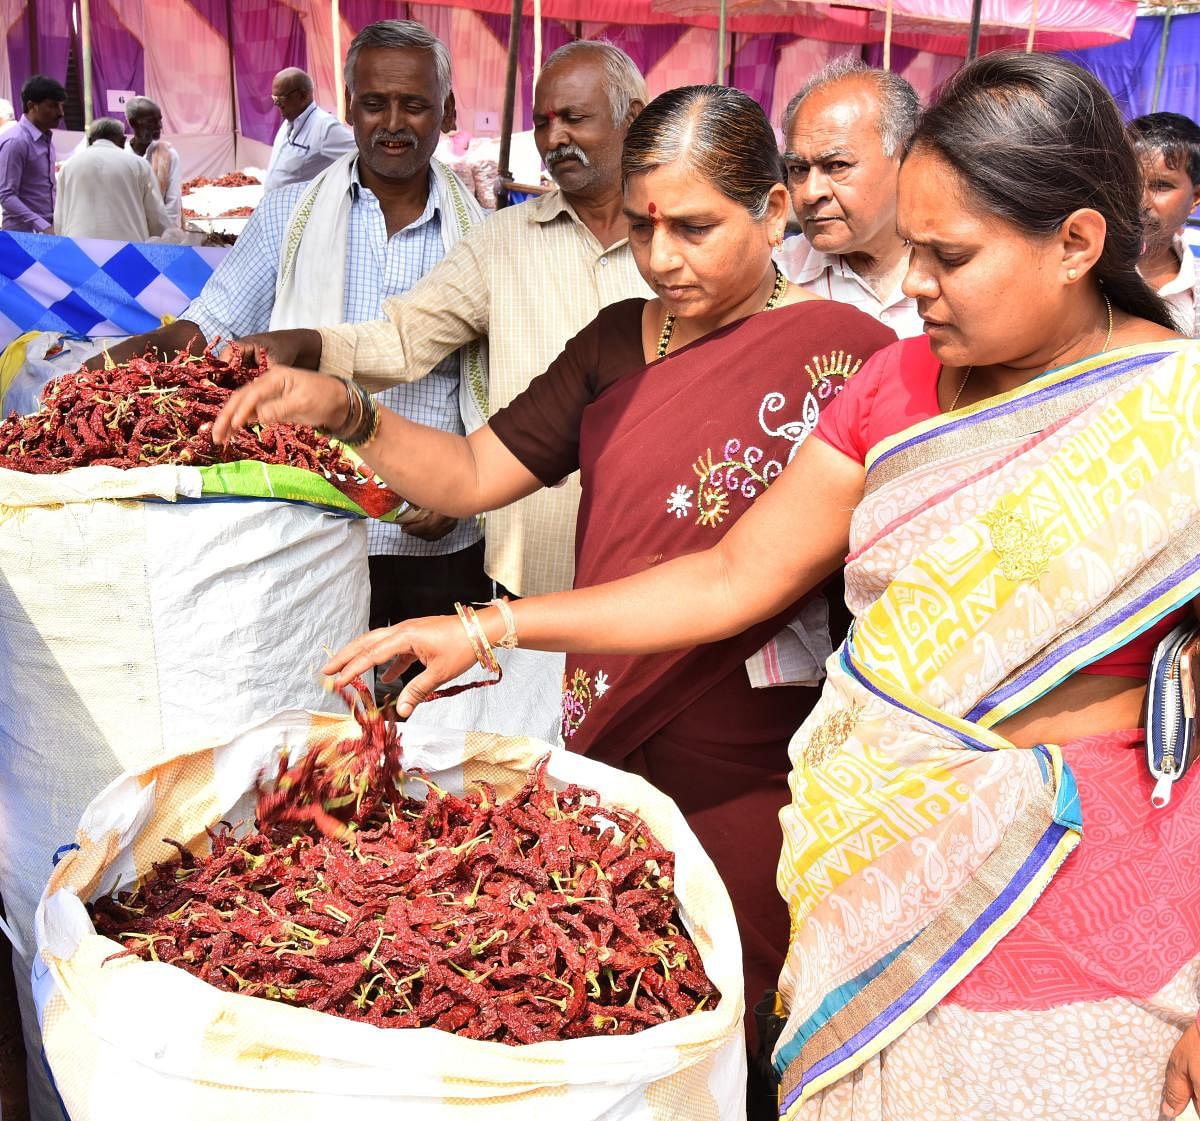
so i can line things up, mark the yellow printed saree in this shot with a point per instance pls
(997, 550)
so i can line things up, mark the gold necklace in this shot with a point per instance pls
(967, 372)
(668, 327)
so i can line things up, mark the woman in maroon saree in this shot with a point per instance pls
(678, 412)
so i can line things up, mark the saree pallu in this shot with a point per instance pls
(996, 551)
(671, 456)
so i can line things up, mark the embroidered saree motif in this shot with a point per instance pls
(580, 692)
(743, 472)
(979, 583)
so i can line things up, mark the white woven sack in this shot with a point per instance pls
(527, 701)
(144, 1039)
(133, 626)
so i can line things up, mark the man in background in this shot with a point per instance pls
(845, 133)
(27, 158)
(145, 119)
(105, 191)
(309, 139)
(1168, 145)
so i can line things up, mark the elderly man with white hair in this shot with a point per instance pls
(145, 119)
(845, 133)
(105, 191)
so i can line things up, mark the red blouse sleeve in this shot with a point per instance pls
(896, 388)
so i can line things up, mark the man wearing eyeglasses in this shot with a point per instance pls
(309, 139)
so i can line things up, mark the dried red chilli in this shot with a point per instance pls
(149, 411)
(542, 917)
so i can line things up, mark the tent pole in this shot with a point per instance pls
(233, 112)
(537, 39)
(510, 98)
(1162, 57)
(973, 38)
(887, 36)
(335, 11)
(85, 39)
(1032, 28)
(722, 20)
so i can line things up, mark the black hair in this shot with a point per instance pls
(721, 134)
(40, 88)
(1035, 138)
(1177, 137)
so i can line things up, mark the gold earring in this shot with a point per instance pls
(1072, 274)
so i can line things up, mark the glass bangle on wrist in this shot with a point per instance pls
(509, 639)
(362, 419)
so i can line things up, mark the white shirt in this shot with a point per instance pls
(1182, 293)
(830, 276)
(164, 164)
(306, 146)
(106, 191)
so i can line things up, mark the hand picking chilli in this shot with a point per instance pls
(147, 411)
(546, 916)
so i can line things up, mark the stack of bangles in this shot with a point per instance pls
(485, 655)
(362, 417)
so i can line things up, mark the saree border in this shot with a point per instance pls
(898, 454)
(867, 1013)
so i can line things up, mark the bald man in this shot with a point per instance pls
(309, 139)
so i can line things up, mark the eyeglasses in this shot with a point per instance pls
(279, 99)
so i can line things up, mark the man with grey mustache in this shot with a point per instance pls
(528, 279)
(331, 251)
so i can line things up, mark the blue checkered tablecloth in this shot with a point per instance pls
(95, 288)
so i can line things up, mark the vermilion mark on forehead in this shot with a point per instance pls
(652, 210)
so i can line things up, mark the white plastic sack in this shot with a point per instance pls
(144, 1039)
(133, 626)
(527, 701)
(24, 390)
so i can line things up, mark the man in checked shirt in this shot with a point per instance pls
(389, 214)
(527, 279)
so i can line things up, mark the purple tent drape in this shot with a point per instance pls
(54, 47)
(267, 37)
(1128, 68)
(752, 67)
(117, 58)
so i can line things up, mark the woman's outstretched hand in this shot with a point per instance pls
(285, 396)
(439, 643)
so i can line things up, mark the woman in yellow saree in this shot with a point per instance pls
(988, 919)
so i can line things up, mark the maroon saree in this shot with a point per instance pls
(671, 456)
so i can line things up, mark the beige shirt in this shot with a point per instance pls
(106, 191)
(1183, 293)
(529, 278)
(830, 276)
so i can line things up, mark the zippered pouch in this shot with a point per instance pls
(1171, 709)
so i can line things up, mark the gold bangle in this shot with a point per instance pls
(509, 639)
(484, 654)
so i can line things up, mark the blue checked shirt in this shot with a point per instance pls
(238, 298)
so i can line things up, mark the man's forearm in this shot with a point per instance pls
(164, 341)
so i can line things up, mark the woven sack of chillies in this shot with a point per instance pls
(449, 1004)
(147, 412)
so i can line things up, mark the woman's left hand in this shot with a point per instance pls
(285, 396)
(439, 643)
(1182, 1084)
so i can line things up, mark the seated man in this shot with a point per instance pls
(105, 191)
(1168, 145)
(369, 227)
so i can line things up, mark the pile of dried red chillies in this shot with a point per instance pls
(146, 411)
(543, 917)
(229, 179)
